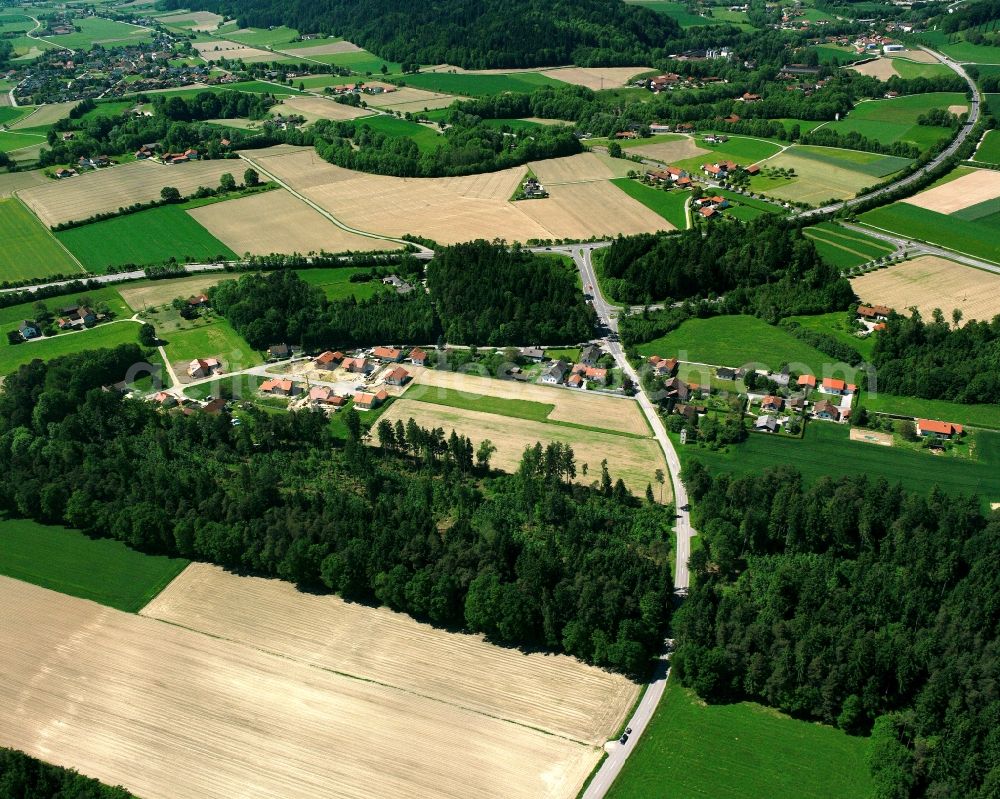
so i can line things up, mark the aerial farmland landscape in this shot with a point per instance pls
(499, 400)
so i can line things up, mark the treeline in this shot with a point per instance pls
(489, 293)
(764, 267)
(970, 15)
(24, 777)
(281, 308)
(467, 147)
(933, 360)
(213, 105)
(823, 342)
(854, 603)
(470, 34)
(529, 558)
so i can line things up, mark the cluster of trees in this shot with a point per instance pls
(935, 360)
(467, 147)
(213, 105)
(489, 293)
(519, 33)
(970, 15)
(825, 343)
(529, 558)
(23, 776)
(281, 308)
(765, 267)
(854, 603)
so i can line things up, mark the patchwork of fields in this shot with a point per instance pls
(824, 173)
(845, 248)
(973, 238)
(895, 120)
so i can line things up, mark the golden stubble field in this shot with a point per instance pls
(451, 210)
(171, 712)
(971, 189)
(930, 282)
(596, 78)
(113, 187)
(277, 222)
(146, 294)
(881, 68)
(313, 108)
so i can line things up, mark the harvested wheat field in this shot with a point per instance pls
(411, 99)
(12, 182)
(146, 294)
(111, 188)
(881, 68)
(920, 56)
(670, 151)
(596, 78)
(173, 713)
(634, 460)
(203, 20)
(972, 189)
(580, 168)
(580, 407)
(277, 222)
(554, 693)
(333, 48)
(313, 108)
(930, 282)
(218, 49)
(579, 211)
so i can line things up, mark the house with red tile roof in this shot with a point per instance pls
(824, 409)
(772, 403)
(832, 385)
(279, 387)
(366, 401)
(387, 354)
(807, 381)
(932, 428)
(204, 367)
(397, 377)
(417, 356)
(328, 360)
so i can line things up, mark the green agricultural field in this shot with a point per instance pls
(838, 324)
(985, 213)
(217, 339)
(10, 115)
(972, 415)
(103, 110)
(337, 285)
(913, 69)
(746, 208)
(424, 137)
(279, 38)
(13, 140)
(827, 451)
(103, 336)
(871, 164)
(742, 150)
(97, 30)
(100, 569)
(805, 125)
(845, 248)
(989, 148)
(957, 234)
(668, 204)
(28, 249)
(831, 54)
(263, 87)
(895, 120)
(479, 85)
(362, 63)
(13, 315)
(696, 751)
(515, 408)
(147, 237)
(676, 11)
(954, 46)
(736, 341)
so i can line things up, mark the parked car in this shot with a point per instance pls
(623, 739)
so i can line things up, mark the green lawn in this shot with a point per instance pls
(94, 30)
(425, 138)
(746, 208)
(958, 234)
(668, 204)
(479, 85)
(736, 341)
(696, 751)
(568, 354)
(29, 250)
(100, 569)
(827, 451)
(217, 339)
(147, 237)
(336, 283)
(106, 335)
(835, 324)
(913, 69)
(744, 151)
(972, 415)
(831, 54)
(452, 398)
(989, 149)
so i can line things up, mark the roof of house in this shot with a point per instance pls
(276, 383)
(766, 421)
(825, 406)
(367, 398)
(772, 400)
(934, 426)
(807, 380)
(834, 383)
(556, 369)
(398, 374)
(327, 357)
(390, 353)
(417, 354)
(707, 211)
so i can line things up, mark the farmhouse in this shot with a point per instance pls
(278, 351)
(929, 428)
(726, 373)
(676, 389)
(65, 173)
(824, 409)
(387, 354)
(584, 372)
(328, 360)
(708, 212)
(319, 395)
(832, 385)
(555, 373)
(204, 367)
(279, 387)
(874, 312)
(198, 301)
(532, 354)
(663, 366)
(29, 329)
(366, 401)
(401, 286)
(397, 377)
(418, 357)
(772, 403)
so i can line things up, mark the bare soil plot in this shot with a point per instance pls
(101, 691)
(11, 182)
(411, 99)
(920, 56)
(160, 292)
(580, 407)
(47, 114)
(217, 49)
(555, 693)
(277, 222)
(111, 188)
(582, 210)
(596, 78)
(203, 20)
(333, 48)
(881, 68)
(313, 108)
(972, 189)
(669, 151)
(816, 181)
(871, 437)
(930, 282)
(958, 109)
(579, 168)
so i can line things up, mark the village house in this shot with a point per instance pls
(772, 403)
(320, 395)
(929, 428)
(689, 412)
(204, 367)
(676, 389)
(590, 355)
(555, 373)
(663, 367)
(328, 360)
(29, 329)
(198, 301)
(366, 401)
(726, 373)
(766, 424)
(401, 286)
(397, 377)
(417, 356)
(355, 365)
(279, 387)
(748, 98)
(807, 382)
(76, 316)
(279, 351)
(387, 354)
(62, 172)
(215, 407)
(534, 354)
(796, 403)
(833, 385)
(878, 313)
(824, 409)
(592, 373)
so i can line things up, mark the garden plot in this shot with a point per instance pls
(968, 190)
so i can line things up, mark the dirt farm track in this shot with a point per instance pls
(290, 695)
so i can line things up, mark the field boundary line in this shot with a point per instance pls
(48, 230)
(843, 235)
(840, 246)
(917, 242)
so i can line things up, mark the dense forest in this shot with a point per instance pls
(934, 360)
(490, 294)
(24, 777)
(470, 33)
(420, 524)
(764, 267)
(281, 308)
(854, 603)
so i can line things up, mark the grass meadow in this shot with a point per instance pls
(837, 325)
(694, 751)
(973, 238)
(845, 248)
(336, 283)
(100, 569)
(743, 151)
(100, 337)
(515, 408)
(479, 85)
(989, 149)
(13, 140)
(872, 164)
(29, 250)
(668, 204)
(94, 30)
(895, 120)
(426, 139)
(987, 416)
(677, 11)
(215, 339)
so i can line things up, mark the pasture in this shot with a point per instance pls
(98, 30)
(973, 188)
(741, 149)
(148, 237)
(154, 688)
(425, 137)
(29, 250)
(113, 187)
(13, 140)
(972, 238)
(954, 46)
(895, 120)
(816, 180)
(336, 283)
(839, 325)
(737, 751)
(930, 282)
(214, 339)
(845, 248)
(989, 149)
(668, 204)
(908, 69)
(107, 335)
(277, 222)
(739, 341)
(479, 85)
(265, 38)
(102, 570)
(676, 11)
(872, 164)
(361, 62)
(987, 415)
